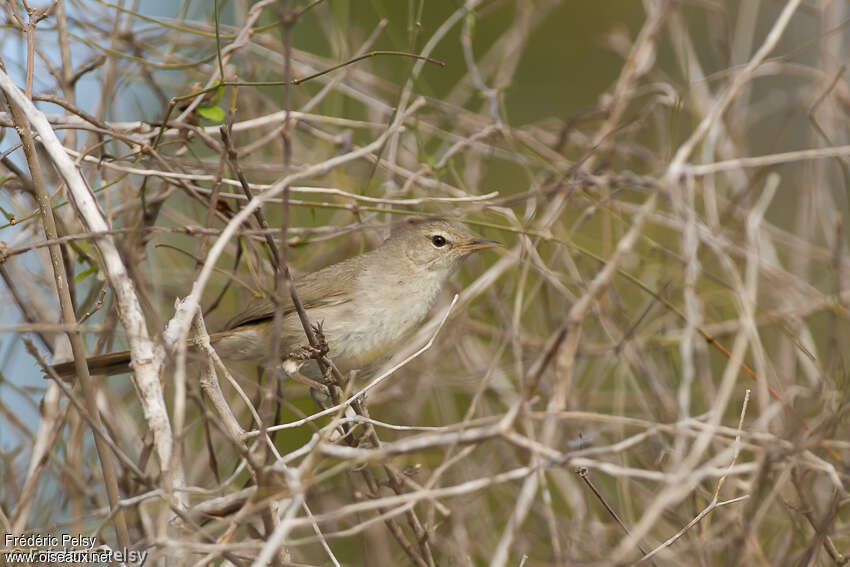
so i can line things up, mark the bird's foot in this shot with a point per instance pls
(321, 342)
(305, 352)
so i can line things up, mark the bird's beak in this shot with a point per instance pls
(478, 244)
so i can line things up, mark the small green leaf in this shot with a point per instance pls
(84, 246)
(219, 92)
(9, 216)
(211, 112)
(83, 275)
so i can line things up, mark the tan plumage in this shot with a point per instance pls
(366, 304)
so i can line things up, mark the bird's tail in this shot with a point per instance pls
(104, 364)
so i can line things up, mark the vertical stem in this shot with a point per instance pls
(68, 315)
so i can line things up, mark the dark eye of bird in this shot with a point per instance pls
(438, 240)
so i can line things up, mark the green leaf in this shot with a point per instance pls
(83, 275)
(9, 216)
(219, 92)
(429, 159)
(84, 246)
(211, 112)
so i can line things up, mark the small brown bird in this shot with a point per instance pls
(367, 305)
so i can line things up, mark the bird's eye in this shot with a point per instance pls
(438, 240)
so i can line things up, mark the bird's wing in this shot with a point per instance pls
(257, 310)
(317, 289)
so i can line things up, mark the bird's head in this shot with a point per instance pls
(432, 244)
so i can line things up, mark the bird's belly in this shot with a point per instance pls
(359, 333)
(359, 338)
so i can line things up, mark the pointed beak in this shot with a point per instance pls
(478, 244)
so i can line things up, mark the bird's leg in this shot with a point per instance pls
(330, 375)
(290, 366)
(296, 358)
(328, 391)
(314, 385)
(319, 352)
(307, 352)
(331, 378)
(304, 353)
